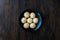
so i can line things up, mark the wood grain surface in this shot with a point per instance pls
(10, 11)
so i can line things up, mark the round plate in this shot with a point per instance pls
(38, 15)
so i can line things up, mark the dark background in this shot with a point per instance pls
(11, 9)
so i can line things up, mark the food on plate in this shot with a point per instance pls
(26, 25)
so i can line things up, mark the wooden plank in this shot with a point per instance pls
(12, 9)
(57, 25)
(3, 24)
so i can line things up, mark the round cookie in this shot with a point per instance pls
(32, 25)
(26, 25)
(32, 15)
(29, 20)
(26, 14)
(35, 20)
(23, 20)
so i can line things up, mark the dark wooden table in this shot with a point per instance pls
(10, 10)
